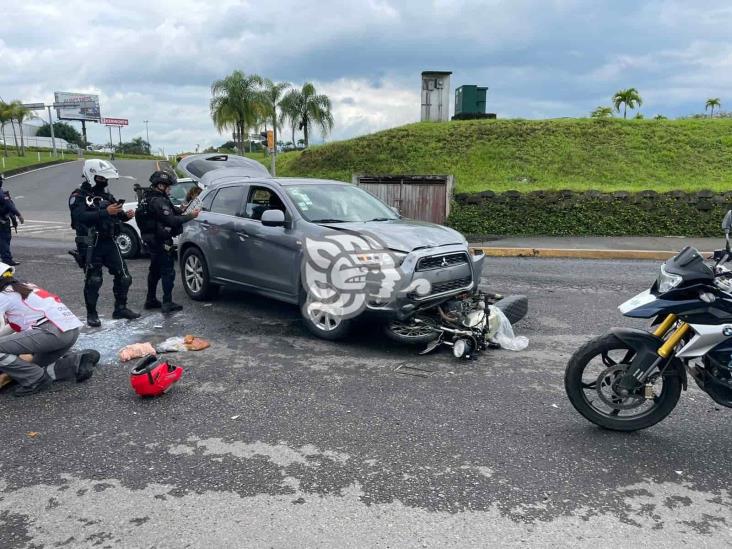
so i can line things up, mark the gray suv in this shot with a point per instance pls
(251, 232)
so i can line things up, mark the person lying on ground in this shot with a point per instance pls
(37, 323)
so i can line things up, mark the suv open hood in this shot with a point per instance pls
(404, 235)
(196, 166)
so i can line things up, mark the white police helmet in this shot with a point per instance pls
(95, 169)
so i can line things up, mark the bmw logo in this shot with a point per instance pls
(727, 331)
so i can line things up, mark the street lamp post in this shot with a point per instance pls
(147, 133)
(53, 135)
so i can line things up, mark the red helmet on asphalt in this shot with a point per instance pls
(150, 378)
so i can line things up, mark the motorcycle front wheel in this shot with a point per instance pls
(590, 381)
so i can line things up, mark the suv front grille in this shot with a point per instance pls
(442, 261)
(450, 285)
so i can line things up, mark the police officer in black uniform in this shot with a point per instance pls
(160, 221)
(97, 216)
(9, 217)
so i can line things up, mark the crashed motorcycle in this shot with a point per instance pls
(468, 323)
(631, 379)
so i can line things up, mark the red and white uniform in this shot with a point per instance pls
(39, 307)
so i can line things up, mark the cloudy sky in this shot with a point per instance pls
(156, 59)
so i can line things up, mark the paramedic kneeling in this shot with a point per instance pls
(40, 325)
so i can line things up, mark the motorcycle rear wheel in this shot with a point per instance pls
(589, 380)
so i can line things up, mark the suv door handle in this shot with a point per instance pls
(242, 235)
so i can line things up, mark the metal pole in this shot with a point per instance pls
(120, 134)
(53, 135)
(147, 133)
(83, 131)
(274, 155)
(111, 145)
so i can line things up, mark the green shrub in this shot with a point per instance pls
(565, 213)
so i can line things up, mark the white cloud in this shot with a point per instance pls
(155, 59)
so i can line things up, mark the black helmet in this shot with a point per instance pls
(162, 177)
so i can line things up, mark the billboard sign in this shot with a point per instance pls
(77, 106)
(115, 121)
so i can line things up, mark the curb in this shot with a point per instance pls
(656, 255)
(35, 167)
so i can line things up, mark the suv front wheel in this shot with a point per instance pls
(196, 279)
(321, 323)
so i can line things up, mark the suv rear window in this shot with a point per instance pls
(228, 201)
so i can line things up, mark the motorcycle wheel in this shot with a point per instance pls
(589, 381)
(409, 332)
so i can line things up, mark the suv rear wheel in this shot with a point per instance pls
(196, 279)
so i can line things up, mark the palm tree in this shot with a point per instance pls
(235, 104)
(602, 112)
(711, 103)
(305, 107)
(9, 109)
(272, 96)
(289, 111)
(629, 98)
(5, 117)
(20, 113)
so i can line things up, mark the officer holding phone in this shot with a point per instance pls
(97, 216)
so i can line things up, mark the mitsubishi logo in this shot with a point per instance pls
(727, 331)
(444, 262)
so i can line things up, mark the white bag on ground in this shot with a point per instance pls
(501, 333)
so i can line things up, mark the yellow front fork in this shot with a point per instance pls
(665, 326)
(667, 348)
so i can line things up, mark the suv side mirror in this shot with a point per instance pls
(273, 218)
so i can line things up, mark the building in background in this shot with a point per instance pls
(470, 99)
(436, 96)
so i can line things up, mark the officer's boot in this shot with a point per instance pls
(121, 284)
(92, 318)
(169, 306)
(121, 311)
(91, 294)
(152, 302)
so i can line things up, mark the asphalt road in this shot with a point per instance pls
(42, 195)
(273, 438)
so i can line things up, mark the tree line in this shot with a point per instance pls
(631, 99)
(241, 102)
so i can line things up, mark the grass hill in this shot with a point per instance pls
(528, 155)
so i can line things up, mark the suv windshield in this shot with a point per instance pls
(338, 204)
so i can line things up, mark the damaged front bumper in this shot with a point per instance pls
(428, 277)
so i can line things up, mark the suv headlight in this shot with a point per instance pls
(381, 259)
(667, 281)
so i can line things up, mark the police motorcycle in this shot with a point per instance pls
(631, 379)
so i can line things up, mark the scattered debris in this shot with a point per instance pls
(136, 350)
(33, 434)
(180, 344)
(416, 371)
(234, 417)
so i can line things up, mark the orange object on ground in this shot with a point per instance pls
(193, 343)
(136, 350)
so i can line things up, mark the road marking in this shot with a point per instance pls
(38, 227)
